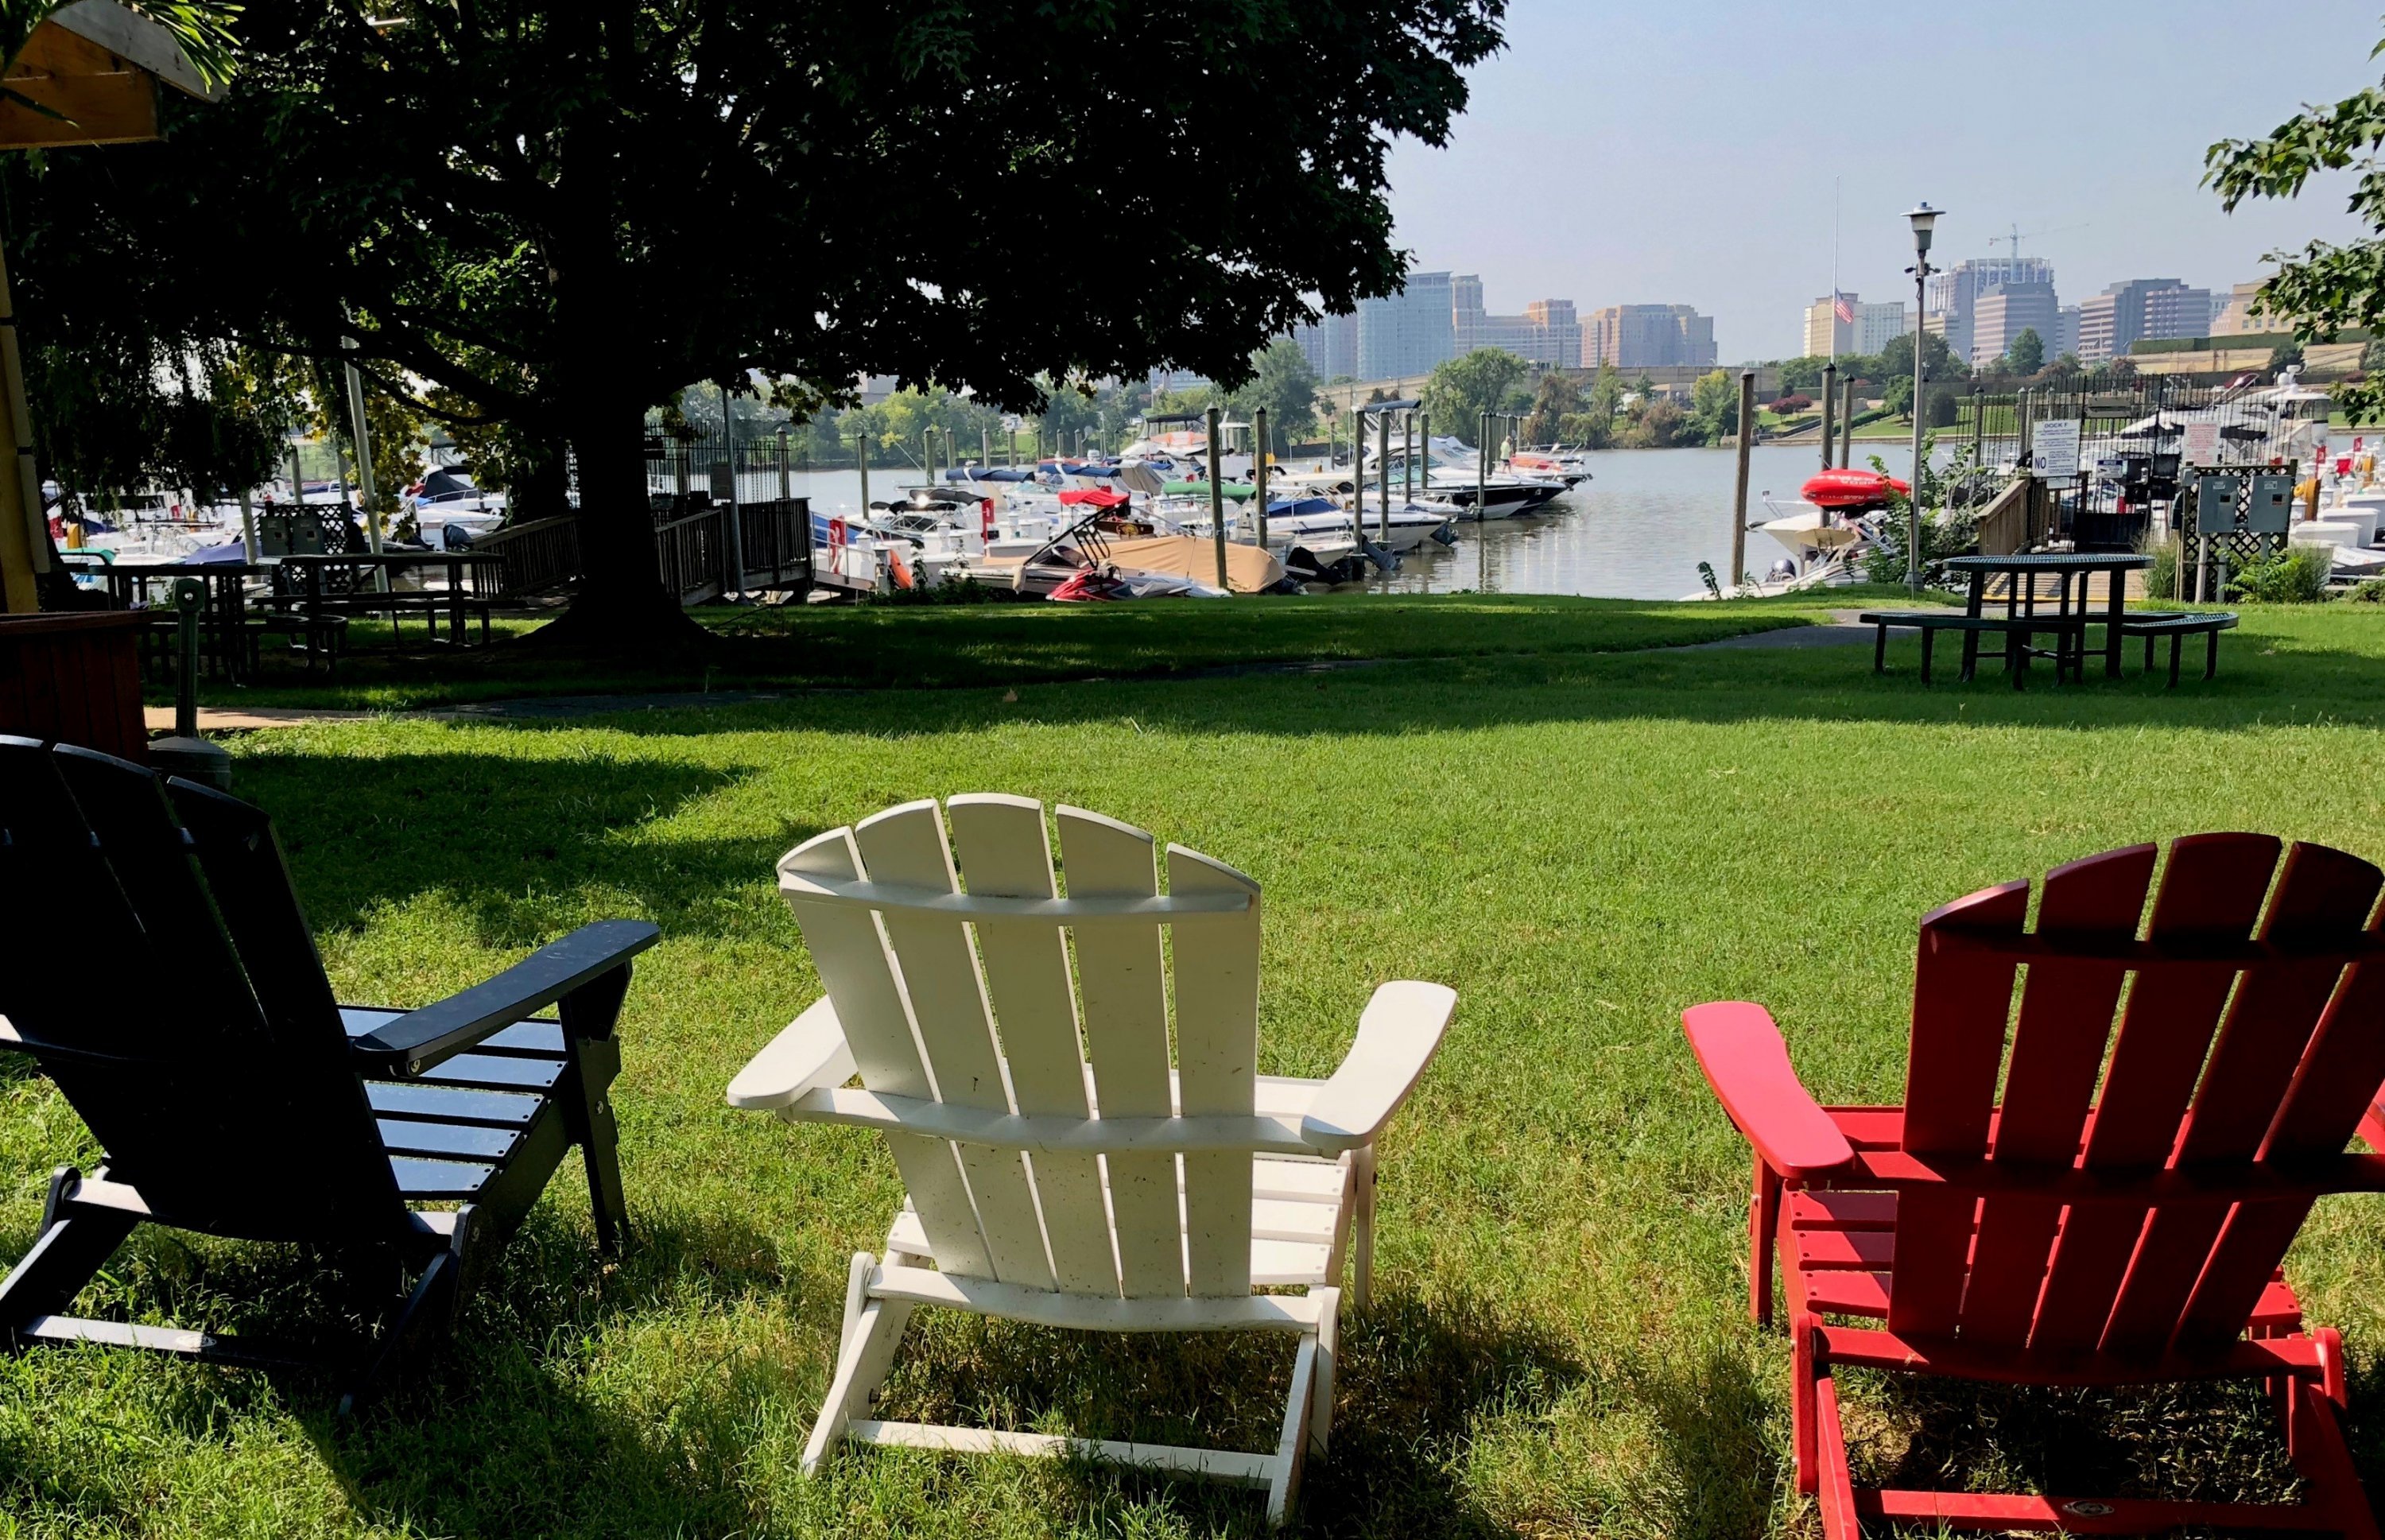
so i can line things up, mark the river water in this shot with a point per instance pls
(1637, 529)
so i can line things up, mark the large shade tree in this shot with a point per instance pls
(557, 215)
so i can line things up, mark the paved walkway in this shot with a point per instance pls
(1841, 632)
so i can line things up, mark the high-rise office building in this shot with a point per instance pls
(1829, 336)
(1634, 336)
(2005, 310)
(1954, 293)
(1547, 333)
(1330, 344)
(2235, 318)
(2140, 309)
(1409, 332)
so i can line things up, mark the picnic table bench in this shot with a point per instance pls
(2178, 625)
(343, 585)
(2069, 633)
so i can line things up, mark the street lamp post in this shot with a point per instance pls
(1925, 219)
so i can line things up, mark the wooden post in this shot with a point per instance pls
(24, 533)
(1358, 474)
(1829, 393)
(1846, 421)
(1217, 504)
(1259, 470)
(1739, 499)
(785, 492)
(1482, 503)
(985, 446)
(861, 453)
(247, 528)
(1383, 477)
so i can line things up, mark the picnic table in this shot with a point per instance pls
(148, 587)
(344, 584)
(2067, 624)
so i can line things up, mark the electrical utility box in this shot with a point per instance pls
(2215, 502)
(2272, 508)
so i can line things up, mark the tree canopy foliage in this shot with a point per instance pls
(2325, 288)
(1460, 390)
(620, 198)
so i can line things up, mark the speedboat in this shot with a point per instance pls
(450, 510)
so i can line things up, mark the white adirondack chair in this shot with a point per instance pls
(1059, 1170)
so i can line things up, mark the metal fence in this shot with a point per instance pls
(2133, 448)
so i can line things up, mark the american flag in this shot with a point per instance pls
(1843, 306)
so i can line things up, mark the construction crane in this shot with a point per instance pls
(2014, 240)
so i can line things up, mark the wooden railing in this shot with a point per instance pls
(2004, 524)
(692, 551)
(539, 555)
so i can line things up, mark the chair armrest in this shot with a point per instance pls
(419, 1039)
(1747, 1063)
(1397, 1038)
(809, 1055)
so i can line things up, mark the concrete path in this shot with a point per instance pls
(247, 718)
(1842, 632)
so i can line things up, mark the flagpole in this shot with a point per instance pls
(1834, 269)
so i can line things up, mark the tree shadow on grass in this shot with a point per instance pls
(515, 842)
(499, 1431)
(1414, 1377)
(2211, 1441)
(2264, 680)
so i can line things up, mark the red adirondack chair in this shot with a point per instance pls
(2064, 1236)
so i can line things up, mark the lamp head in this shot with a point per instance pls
(1925, 219)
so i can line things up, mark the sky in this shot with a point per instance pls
(1685, 152)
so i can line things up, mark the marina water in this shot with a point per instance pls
(1636, 530)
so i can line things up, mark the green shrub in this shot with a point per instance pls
(2371, 592)
(952, 590)
(2161, 578)
(2298, 577)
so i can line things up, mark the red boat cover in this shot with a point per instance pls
(1850, 488)
(1099, 497)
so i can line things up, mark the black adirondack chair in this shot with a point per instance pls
(236, 1097)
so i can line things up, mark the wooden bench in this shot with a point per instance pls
(2178, 625)
(2069, 633)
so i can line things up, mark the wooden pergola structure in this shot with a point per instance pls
(93, 73)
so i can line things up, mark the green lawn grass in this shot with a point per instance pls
(874, 646)
(1580, 844)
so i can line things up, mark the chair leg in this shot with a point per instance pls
(1328, 1338)
(1763, 1232)
(2174, 640)
(1805, 1410)
(428, 1316)
(587, 1014)
(1292, 1448)
(72, 1248)
(1928, 635)
(872, 1332)
(1879, 649)
(2149, 652)
(2211, 655)
(1362, 1227)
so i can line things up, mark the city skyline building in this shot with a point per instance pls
(2004, 311)
(1410, 331)
(1874, 322)
(2140, 309)
(1954, 292)
(1635, 336)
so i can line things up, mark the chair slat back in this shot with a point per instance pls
(985, 1010)
(1122, 975)
(210, 1070)
(2213, 1066)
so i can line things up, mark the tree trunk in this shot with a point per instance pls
(620, 606)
